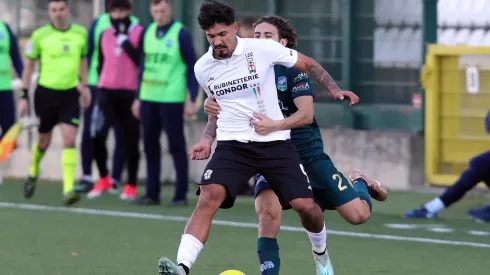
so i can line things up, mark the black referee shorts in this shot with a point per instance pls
(56, 106)
(234, 162)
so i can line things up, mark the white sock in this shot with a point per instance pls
(189, 249)
(318, 240)
(435, 205)
(87, 178)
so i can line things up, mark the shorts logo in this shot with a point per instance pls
(282, 83)
(301, 87)
(29, 47)
(207, 174)
(267, 265)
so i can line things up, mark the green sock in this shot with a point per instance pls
(69, 166)
(361, 188)
(268, 251)
(37, 156)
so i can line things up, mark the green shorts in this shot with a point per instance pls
(330, 188)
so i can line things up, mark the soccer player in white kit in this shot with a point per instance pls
(239, 73)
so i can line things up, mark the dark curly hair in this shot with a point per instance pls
(284, 29)
(215, 12)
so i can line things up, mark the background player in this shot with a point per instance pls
(61, 82)
(167, 74)
(102, 23)
(330, 188)
(247, 84)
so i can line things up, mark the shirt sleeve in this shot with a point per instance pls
(91, 41)
(199, 77)
(32, 48)
(300, 83)
(15, 53)
(85, 43)
(189, 57)
(278, 54)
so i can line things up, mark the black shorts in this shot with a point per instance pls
(235, 162)
(56, 106)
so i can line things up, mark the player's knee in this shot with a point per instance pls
(44, 141)
(211, 197)
(359, 216)
(305, 207)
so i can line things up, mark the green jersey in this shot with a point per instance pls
(292, 84)
(60, 53)
(5, 71)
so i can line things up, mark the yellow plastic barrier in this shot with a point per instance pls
(457, 88)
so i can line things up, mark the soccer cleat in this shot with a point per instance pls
(71, 198)
(129, 193)
(167, 267)
(376, 190)
(84, 186)
(103, 185)
(29, 187)
(323, 263)
(420, 212)
(480, 214)
(146, 201)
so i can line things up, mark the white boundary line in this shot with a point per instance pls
(146, 216)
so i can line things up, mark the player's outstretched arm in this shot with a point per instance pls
(320, 75)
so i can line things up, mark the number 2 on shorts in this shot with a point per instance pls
(340, 186)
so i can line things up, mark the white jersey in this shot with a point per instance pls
(244, 84)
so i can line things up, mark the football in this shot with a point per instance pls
(232, 272)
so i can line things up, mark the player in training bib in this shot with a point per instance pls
(61, 49)
(330, 188)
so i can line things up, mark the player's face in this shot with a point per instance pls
(119, 13)
(268, 31)
(161, 13)
(223, 39)
(58, 12)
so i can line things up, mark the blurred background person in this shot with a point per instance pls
(167, 74)
(246, 27)
(61, 48)
(9, 54)
(102, 23)
(119, 61)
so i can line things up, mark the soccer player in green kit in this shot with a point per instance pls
(61, 48)
(330, 188)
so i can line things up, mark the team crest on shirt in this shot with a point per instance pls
(252, 68)
(66, 48)
(282, 83)
(2, 36)
(169, 43)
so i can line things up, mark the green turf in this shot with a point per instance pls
(43, 242)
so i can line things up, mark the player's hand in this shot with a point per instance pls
(135, 108)
(86, 96)
(23, 107)
(354, 99)
(211, 107)
(200, 151)
(190, 109)
(264, 125)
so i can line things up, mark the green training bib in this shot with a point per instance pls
(164, 76)
(5, 71)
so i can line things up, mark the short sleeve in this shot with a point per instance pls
(85, 44)
(199, 73)
(300, 83)
(278, 54)
(32, 48)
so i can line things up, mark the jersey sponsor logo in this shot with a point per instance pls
(233, 85)
(157, 58)
(282, 83)
(301, 87)
(252, 68)
(300, 77)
